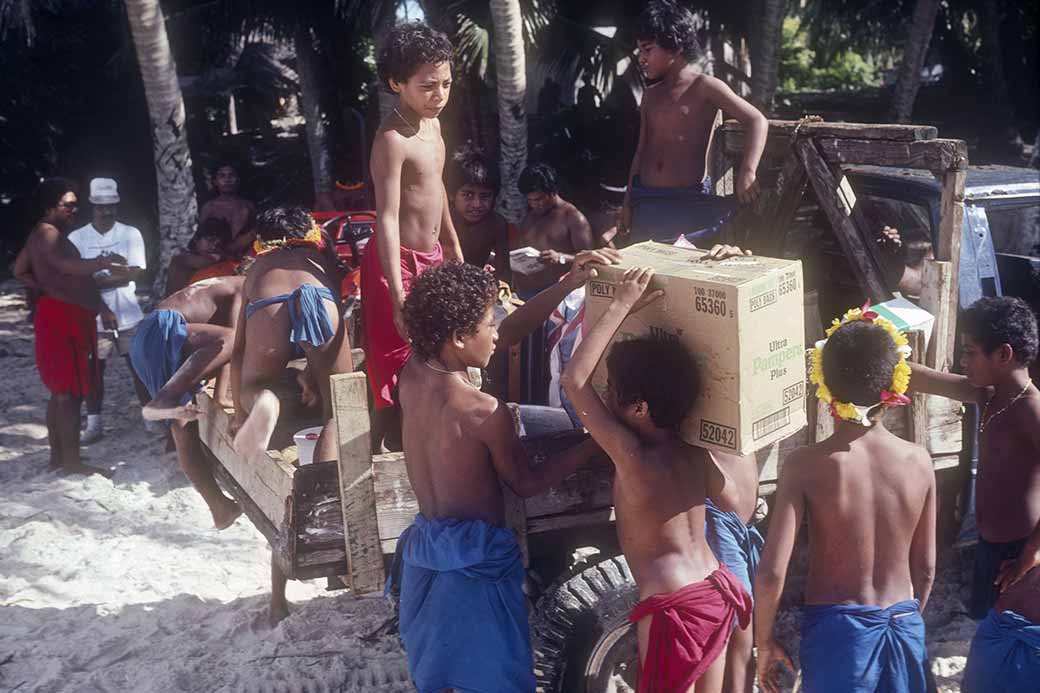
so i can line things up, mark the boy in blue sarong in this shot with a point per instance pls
(186, 339)
(870, 502)
(1005, 652)
(1000, 344)
(463, 618)
(666, 194)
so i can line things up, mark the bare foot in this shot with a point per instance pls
(87, 470)
(255, 434)
(278, 613)
(226, 515)
(156, 412)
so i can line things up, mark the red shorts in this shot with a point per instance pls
(386, 352)
(66, 347)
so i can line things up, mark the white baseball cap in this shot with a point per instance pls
(103, 191)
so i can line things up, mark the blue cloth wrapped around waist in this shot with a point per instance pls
(463, 617)
(308, 318)
(733, 543)
(155, 351)
(863, 649)
(664, 214)
(1004, 655)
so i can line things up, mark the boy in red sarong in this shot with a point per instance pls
(689, 599)
(412, 212)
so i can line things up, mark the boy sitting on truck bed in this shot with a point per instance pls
(187, 338)
(870, 501)
(1000, 343)
(463, 618)
(689, 600)
(473, 182)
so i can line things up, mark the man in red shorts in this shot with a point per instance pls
(66, 335)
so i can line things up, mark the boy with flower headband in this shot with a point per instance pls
(1000, 343)
(413, 218)
(870, 501)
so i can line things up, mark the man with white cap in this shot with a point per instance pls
(106, 236)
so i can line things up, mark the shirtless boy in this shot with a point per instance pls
(473, 183)
(186, 339)
(463, 617)
(290, 304)
(870, 501)
(1005, 652)
(1000, 343)
(205, 251)
(228, 205)
(666, 195)
(659, 495)
(66, 334)
(414, 230)
(552, 225)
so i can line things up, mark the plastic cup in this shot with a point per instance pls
(305, 441)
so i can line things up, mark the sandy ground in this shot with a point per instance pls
(122, 584)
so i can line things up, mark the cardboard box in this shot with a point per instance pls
(741, 319)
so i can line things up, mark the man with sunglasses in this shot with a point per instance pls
(66, 336)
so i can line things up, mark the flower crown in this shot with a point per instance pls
(313, 238)
(892, 397)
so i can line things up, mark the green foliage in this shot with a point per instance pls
(800, 71)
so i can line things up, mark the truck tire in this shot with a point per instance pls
(583, 642)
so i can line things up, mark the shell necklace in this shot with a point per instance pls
(985, 420)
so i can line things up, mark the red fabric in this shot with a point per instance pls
(225, 268)
(689, 630)
(66, 347)
(386, 352)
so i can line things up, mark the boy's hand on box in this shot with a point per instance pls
(721, 252)
(586, 261)
(631, 290)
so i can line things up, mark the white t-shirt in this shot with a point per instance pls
(123, 240)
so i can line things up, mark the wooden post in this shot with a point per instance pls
(356, 485)
(939, 297)
(515, 506)
(834, 198)
(917, 416)
(790, 188)
(951, 222)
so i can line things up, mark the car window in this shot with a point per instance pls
(1015, 228)
(912, 220)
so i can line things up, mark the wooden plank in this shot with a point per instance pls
(357, 495)
(576, 520)
(937, 156)
(396, 505)
(833, 197)
(516, 519)
(867, 131)
(951, 222)
(266, 479)
(790, 188)
(917, 412)
(824, 421)
(939, 297)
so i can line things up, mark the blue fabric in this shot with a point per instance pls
(155, 351)
(863, 649)
(664, 214)
(307, 315)
(733, 543)
(1004, 655)
(462, 609)
(989, 556)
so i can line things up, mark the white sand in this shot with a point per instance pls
(124, 585)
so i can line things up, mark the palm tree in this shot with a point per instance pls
(765, 53)
(178, 212)
(914, 52)
(511, 72)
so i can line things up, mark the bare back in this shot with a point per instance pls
(660, 517)
(677, 126)
(418, 156)
(46, 244)
(865, 500)
(449, 466)
(208, 301)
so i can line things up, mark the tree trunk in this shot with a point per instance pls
(909, 79)
(307, 68)
(178, 211)
(511, 74)
(1001, 131)
(765, 60)
(382, 24)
